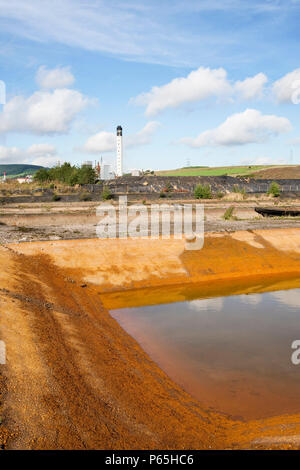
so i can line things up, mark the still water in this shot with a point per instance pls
(232, 353)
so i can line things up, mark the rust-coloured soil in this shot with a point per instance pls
(74, 379)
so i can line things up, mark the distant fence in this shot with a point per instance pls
(185, 185)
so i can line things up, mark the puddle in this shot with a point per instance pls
(232, 353)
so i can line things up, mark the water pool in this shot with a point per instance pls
(232, 353)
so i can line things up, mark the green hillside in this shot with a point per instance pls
(18, 169)
(216, 171)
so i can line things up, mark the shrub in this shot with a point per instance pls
(274, 189)
(106, 193)
(162, 194)
(220, 194)
(237, 189)
(56, 197)
(228, 213)
(85, 197)
(203, 191)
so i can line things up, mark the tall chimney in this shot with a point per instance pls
(119, 151)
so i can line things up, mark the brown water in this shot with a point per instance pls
(232, 353)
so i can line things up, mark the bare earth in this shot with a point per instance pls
(74, 379)
(57, 221)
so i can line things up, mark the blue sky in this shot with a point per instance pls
(212, 82)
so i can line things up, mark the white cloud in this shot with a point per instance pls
(43, 112)
(263, 160)
(251, 87)
(144, 136)
(247, 127)
(101, 142)
(252, 299)
(204, 305)
(288, 297)
(287, 88)
(295, 141)
(198, 85)
(47, 160)
(37, 154)
(41, 149)
(61, 77)
(11, 155)
(142, 30)
(106, 141)
(42, 154)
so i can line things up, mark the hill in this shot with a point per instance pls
(18, 169)
(246, 170)
(279, 172)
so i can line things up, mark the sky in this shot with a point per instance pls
(192, 82)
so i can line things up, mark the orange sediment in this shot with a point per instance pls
(74, 379)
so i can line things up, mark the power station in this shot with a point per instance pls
(119, 151)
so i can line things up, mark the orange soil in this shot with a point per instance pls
(74, 379)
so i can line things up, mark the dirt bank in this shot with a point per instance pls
(75, 379)
(118, 264)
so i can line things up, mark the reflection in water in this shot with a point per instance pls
(232, 353)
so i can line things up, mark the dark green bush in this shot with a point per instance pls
(274, 189)
(203, 191)
(106, 193)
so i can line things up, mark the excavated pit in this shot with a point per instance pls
(74, 378)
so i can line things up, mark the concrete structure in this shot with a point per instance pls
(119, 151)
(25, 179)
(136, 172)
(106, 173)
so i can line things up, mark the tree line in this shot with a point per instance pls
(67, 174)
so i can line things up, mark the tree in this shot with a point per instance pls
(67, 174)
(42, 175)
(86, 175)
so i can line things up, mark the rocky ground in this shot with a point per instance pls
(63, 221)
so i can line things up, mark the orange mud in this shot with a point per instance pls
(74, 379)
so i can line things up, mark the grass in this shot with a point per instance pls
(246, 170)
(228, 213)
(85, 196)
(24, 229)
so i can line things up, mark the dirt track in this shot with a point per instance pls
(75, 380)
